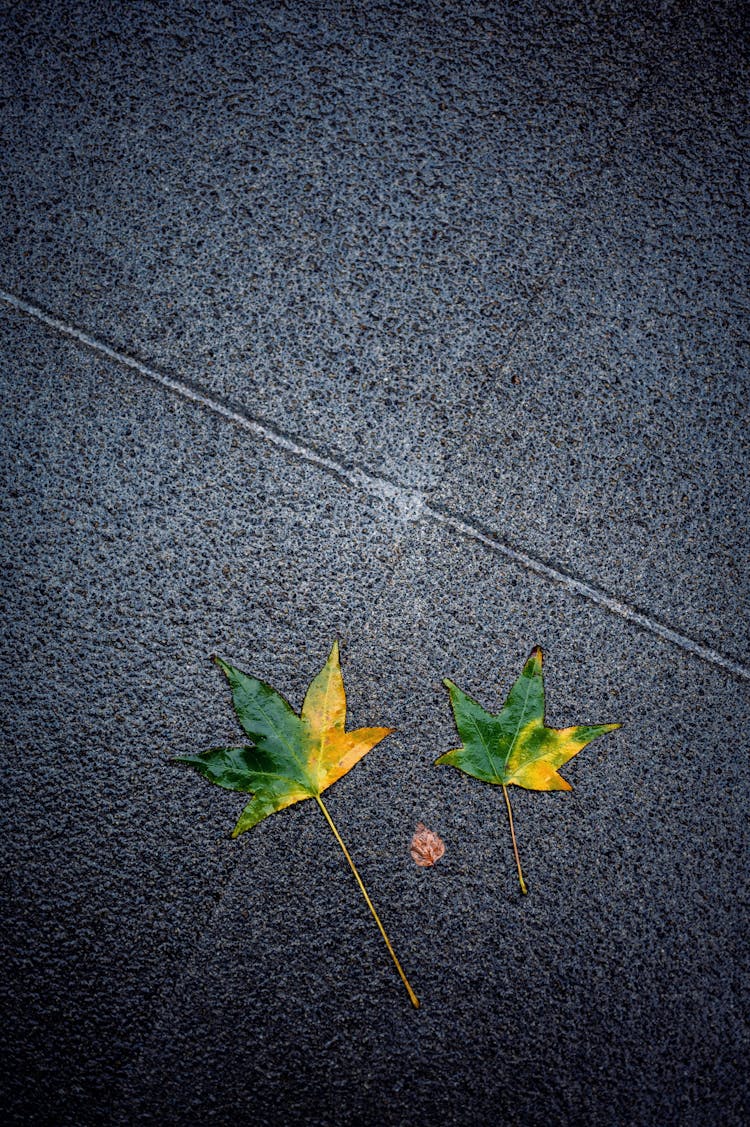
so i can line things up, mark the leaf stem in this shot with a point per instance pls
(399, 968)
(524, 889)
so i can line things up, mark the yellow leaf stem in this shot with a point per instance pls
(412, 996)
(522, 882)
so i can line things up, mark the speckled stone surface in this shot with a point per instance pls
(140, 536)
(611, 994)
(492, 253)
(158, 972)
(614, 439)
(397, 231)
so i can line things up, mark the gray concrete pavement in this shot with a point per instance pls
(424, 327)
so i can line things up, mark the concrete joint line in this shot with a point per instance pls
(587, 591)
(410, 504)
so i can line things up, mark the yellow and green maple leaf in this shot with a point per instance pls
(289, 757)
(514, 746)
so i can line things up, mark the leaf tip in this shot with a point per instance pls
(186, 760)
(605, 729)
(536, 654)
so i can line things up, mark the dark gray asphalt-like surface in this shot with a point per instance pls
(423, 326)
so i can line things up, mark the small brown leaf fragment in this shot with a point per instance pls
(426, 847)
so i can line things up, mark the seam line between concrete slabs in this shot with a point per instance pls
(410, 504)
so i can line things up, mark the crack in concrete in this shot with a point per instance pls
(410, 504)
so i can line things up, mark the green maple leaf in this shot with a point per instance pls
(291, 757)
(514, 746)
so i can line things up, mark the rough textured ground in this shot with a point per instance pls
(423, 326)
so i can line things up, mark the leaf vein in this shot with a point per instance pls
(486, 746)
(518, 728)
(282, 739)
